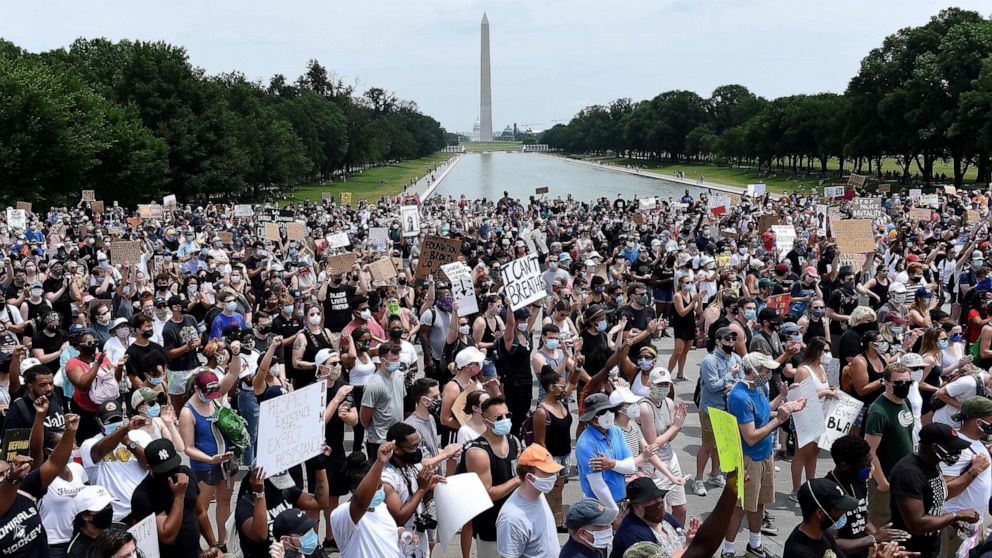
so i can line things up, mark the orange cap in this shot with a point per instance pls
(536, 456)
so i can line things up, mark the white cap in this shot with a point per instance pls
(977, 255)
(117, 322)
(29, 362)
(322, 355)
(622, 396)
(660, 375)
(92, 498)
(912, 360)
(897, 287)
(467, 356)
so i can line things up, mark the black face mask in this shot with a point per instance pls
(103, 518)
(412, 458)
(396, 333)
(87, 349)
(148, 334)
(901, 391)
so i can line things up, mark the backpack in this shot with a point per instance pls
(980, 391)
(105, 387)
(527, 427)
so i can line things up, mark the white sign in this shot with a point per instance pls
(410, 220)
(915, 192)
(840, 414)
(462, 289)
(243, 210)
(338, 240)
(379, 238)
(647, 203)
(169, 200)
(17, 218)
(785, 237)
(291, 428)
(522, 281)
(833, 373)
(457, 501)
(809, 421)
(145, 534)
(756, 190)
(718, 201)
(933, 200)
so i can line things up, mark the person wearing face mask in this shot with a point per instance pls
(408, 353)
(92, 515)
(660, 421)
(142, 346)
(757, 418)
(120, 339)
(181, 339)
(314, 338)
(898, 297)
(552, 428)
(363, 527)
(812, 367)
(550, 353)
(468, 366)
(525, 526)
(229, 315)
(161, 419)
(409, 482)
(824, 508)
(113, 458)
(888, 430)
(435, 325)
(48, 344)
(646, 521)
(919, 492)
(382, 399)
(842, 301)
(590, 530)
(861, 320)
(718, 372)
(95, 380)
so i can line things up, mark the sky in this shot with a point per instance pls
(550, 58)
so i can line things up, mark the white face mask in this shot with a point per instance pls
(825, 358)
(463, 330)
(543, 484)
(634, 412)
(601, 539)
(605, 421)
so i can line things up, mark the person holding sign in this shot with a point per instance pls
(750, 406)
(812, 367)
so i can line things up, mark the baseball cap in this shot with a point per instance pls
(144, 395)
(825, 495)
(209, 385)
(322, 355)
(894, 317)
(588, 511)
(660, 375)
(110, 411)
(621, 396)
(897, 287)
(118, 322)
(789, 328)
(782, 268)
(974, 407)
(29, 363)
(768, 314)
(536, 456)
(757, 360)
(177, 300)
(161, 456)
(594, 404)
(723, 332)
(468, 355)
(291, 522)
(912, 360)
(642, 489)
(940, 433)
(77, 328)
(92, 498)
(811, 271)
(643, 549)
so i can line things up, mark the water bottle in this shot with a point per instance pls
(408, 542)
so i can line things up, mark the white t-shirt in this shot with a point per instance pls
(394, 478)
(374, 536)
(526, 528)
(408, 355)
(113, 349)
(466, 434)
(960, 389)
(975, 496)
(119, 472)
(57, 508)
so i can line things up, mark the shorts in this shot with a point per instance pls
(177, 381)
(337, 481)
(709, 438)
(562, 460)
(759, 484)
(676, 492)
(211, 477)
(663, 295)
(879, 510)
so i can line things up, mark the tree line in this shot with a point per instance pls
(135, 120)
(924, 95)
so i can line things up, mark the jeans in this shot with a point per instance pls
(248, 407)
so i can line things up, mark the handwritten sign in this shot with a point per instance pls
(647, 204)
(272, 232)
(435, 252)
(755, 190)
(16, 441)
(145, 534)
(919, 214)
(856, 261)
(866, 208)
(326, 196)
(341, 263)
(522, 281)
(718, 204)
(765, 222)
(150, 211)
(915, 192)
(291, 428)
(785, 239)
(126, 252)
(89, 195)
(225, 237)
(382, 269)
(950, 190)
(98, 207)
(462, 289)
(931, 200)
(338, 240)
(26, 206)
(379, 238)
(780, 303)
(17, 218)
(541, 190)
(839, 415)
(243, 210)
(345, 198)
(884, 188)
(169, 201)
(857, 180)
(728, 445)
(296, 231)
(972, 216)
(854, 235)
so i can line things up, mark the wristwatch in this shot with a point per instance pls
(259, 494)
(132, 446)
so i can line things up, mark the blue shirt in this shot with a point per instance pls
(633, 530)
(222, 321)
(715, 375)
(591, 443)
(751, 405)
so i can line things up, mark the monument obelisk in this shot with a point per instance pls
(486, 94)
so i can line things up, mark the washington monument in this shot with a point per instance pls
(486, 94)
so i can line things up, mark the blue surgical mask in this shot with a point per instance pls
(619, 299)
(956, 338)
(502, 427)
(308, 542)
(111, 427)
(750, 314)
(942, 344)
(231, 306)
(153, 410)
(552, 344)
(288, 309)
(392, 366)
(601, 326)
(378, 498)
(840, 523)
(896, 330)
(155, 380)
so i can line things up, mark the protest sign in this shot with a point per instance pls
(915, 192)
(345, 198)
(145, 534)
(272, 231)
(856, 261)
(821, 220)
(884, 188)
(26, 206)
(728, 445)
(833, 192)
(457, 501)
(436, 251)
(950, 190)
(522, 281)
(16, 441)
(854, 236)
(718, 204)
(647, 203)
(134, 221)
(291, 428)
(755, 190)
(857, 180)
(296, 231)
(410, 220)
(462, 289)
(89, 195)
(722, 260)
(785, 238)
(541, 190)
(930, 200)
(326, 196)
(809, 421)
(833, 372)
(225, 237)
(866, 208)
(765, 222)
(150, 211)
(638, 218)
(382, 269)
(169, 201)
(17, 218)
(919, 214)
(341, 263)
(972, 216)
(780, 303)
(126, 252)
(98, 207)
(338, 240)
(243, 210)
(839, 415)
(379, 238)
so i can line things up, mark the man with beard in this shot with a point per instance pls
(38, 383)
(825, 507)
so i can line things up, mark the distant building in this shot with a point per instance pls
(476, 131)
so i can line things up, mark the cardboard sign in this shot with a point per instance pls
(326, 196)
(884, 188)
(808, 422)
(839, 415)
(225, 237)
(833, 192)
(915, 192)
(134, 221)
(821, 220)
(89, 195)
(932, 200)
(755, 190)
(150, 211)
(345, 198)
(296, 231)
(145, 534)
(522, 281)
(541, 190)
(972, 216)
(462, 288)
(866, 208)
(26, 206)
(382, 269)
(291, 428)
(97, 207)
(338, 240)
(780, 303)
(785, 238)
(919, 214)
(435, 252)
(410, 220)
(857, 180)
(169, 201)
(728, 445)
(379, 238)
(341, 263)
(17, 218)
(854, 236)
(638, 218)
(16, 441)
(126, 252)
(856, 261)
(950, 190)
(272, 232)
(765, 222)
(243, 210)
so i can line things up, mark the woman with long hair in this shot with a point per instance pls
(812, 367)
(954, 356)
(933, 342)
(687, 304)
(552, 425)
(862, 378)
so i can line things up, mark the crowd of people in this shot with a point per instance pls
(131, 381)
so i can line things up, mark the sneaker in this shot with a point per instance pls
(698, 488)
(717, 481)
(727, 555)
(768, 529)
(759, 552)
(794, 496)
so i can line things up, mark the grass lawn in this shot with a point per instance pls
(373, 183)
(483, 146)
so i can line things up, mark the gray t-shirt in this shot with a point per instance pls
(526, 528)
(427, 429)
(439, 322)
(384, 395)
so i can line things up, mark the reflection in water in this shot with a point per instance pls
(488, 175)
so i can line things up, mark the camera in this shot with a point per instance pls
(423, 521)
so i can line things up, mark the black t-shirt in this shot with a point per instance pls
(21, 532)
(850, 346)
(136, 355)
(21, 415)
(334, 429)
(337, 313)
(276, 502)
(62, 305)
(153, 496)
(177, 334)
(914, 478)
(49, 344)
(637, 319)
(799, 545)
(857, 519)
(843, 302)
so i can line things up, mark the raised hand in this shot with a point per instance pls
(178, 487)
(257, 479)
(41, 405)
(385, 452)
(71, 422)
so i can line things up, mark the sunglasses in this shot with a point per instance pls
(602, 412)
(498, 418)
(731, 337)
(902, 383)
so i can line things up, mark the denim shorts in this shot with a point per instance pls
(562, 460)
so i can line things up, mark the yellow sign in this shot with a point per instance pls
(728, 444)
(345, 197)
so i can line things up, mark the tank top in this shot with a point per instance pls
(314, 344)
(488, 334)
(814, 328)
(882, 292)
(815, 379)
(638, 388)
(553, 362)
(500, 470)
(359, 374)
(557, 434)
(748, 334)
(872, 376)
(203, 438)
(662, 421)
